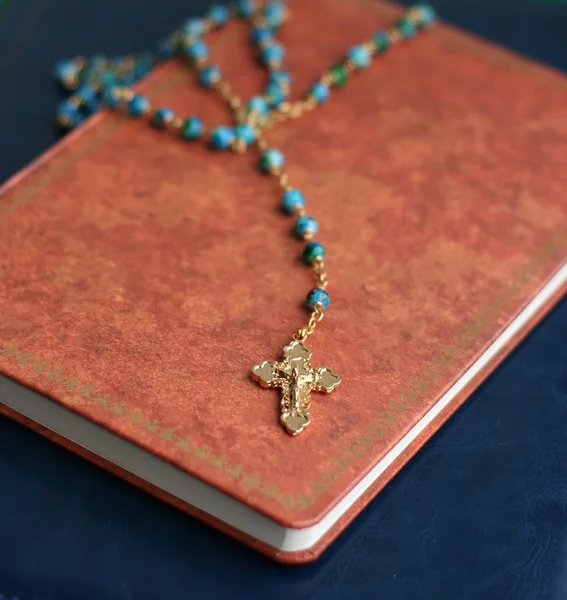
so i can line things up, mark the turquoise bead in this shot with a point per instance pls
(88, 98)
(222, 137)
(138, 106)
(318, 296)
(110, 96)
(381, 41)
(281, 78)
(261, 34)
(406, 27)
(193, 28)
(360, 56)
(258, 104)
(271, 159)
(275, 94)
(162, 117)
(313, 251)
(209, 75)
(108, 78)
(245, 133)
(320, 92)
(306, 225)
(192, 128)
(86, 93)
(274, 14)
(427, 14)
(197, 50)
(219, 14)
(68, 115)
(245, 8)
(66, 71)
(292, 199)
(274, 53)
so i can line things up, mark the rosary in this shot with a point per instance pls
(108, 81)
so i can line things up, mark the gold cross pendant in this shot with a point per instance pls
(297, 379)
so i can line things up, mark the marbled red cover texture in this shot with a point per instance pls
(142, 277)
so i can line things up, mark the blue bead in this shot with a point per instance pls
(197, 50)
(219, 14)
(245, 133)
(320, 92)
(281, 78)
(221, 137)
(274, 53)
(68, 115)
(406, 27)
(258, 104)
(65, 71)
(108, 78)
(360, 56)
(381, 41)
(88, 97)
(86, 93)
(110, 96)
(274, 14)
(318, 296)
(275, 94)
(245, 8)
(209, 75)
(138, 106)
(313, 251)
(261, 34)
(193, 28)
(192, 128)
(292, 199)
(306, 225)
(162, 117)
(427, 14)
(271, 159)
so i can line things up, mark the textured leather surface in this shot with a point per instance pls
(70, 531)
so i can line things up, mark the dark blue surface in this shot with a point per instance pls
(479, 514)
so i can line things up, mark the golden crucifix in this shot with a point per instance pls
(297, 379)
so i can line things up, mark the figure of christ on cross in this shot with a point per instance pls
(297, 379)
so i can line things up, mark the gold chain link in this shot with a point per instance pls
(317, 315)
(321, 272)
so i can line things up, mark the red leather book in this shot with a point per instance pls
(142, 277)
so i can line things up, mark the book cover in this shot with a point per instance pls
(142, 277)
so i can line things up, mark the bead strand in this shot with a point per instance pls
(357, 58)
(96, 81)
(292, 203)
(108, 81)
(271, 54)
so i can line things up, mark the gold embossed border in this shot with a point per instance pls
(23, 196)
(76, 390)
(377, 429)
